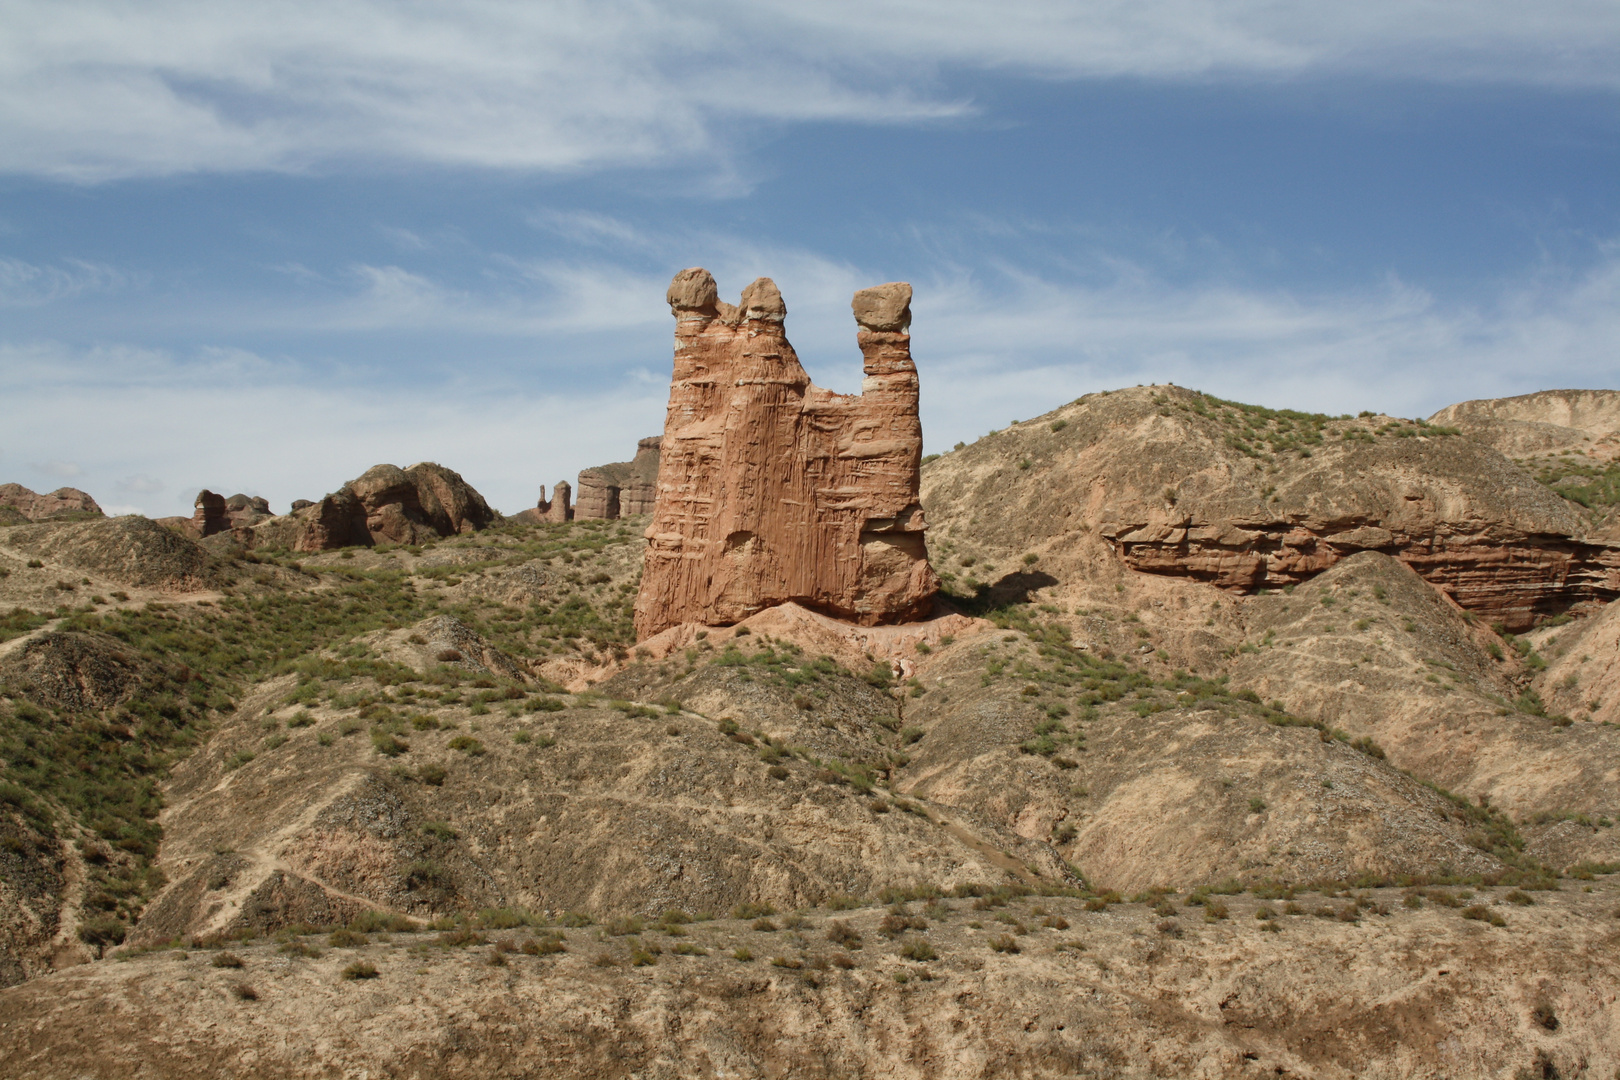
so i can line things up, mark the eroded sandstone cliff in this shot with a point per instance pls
(772, 489)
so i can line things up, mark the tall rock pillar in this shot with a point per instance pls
(772, 489)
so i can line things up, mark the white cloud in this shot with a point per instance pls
(95, 89)
(24, 284)
(61, 470)
(141, 485)
(989, 350)
(986, 359)
(272, 432)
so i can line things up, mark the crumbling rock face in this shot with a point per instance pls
(62, 504)
(771, 489)
(622, 489)
(388, 504)
(554, 510)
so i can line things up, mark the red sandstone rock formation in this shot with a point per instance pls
(62, 503)
(622, 489)
(771, 489)
(554, 510)
(392, 505)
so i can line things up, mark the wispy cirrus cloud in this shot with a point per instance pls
(94, 89)
(25, 284)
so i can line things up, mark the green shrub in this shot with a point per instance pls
(360, 969)
(467, 745)
(376, 922)
(919, 950)
(388, 745)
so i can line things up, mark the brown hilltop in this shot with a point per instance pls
(771, 489)
(18, 503)
(1184, 485)
(1546, 421)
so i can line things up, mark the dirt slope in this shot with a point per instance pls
(1125, 992)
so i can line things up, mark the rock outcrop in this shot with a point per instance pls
(1549, 421)
(1245, 498)
(552, 511)
(622, 489)
(213, 514)
(208, 514)
(771, 489)
(388, 504)
(63, 504)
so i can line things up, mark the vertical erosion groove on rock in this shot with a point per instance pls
(771, 489)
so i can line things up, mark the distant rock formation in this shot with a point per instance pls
(388, 504)
(771, 489)
(554, 510)
(622, 489)
(1547, 422)
(208, 516)
(60, 505)
(214, 514)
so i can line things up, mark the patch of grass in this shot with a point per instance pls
(467, 745)
(360, 969)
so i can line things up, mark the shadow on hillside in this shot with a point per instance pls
(1011, 590)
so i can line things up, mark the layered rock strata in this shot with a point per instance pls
(62, 504)
(621, 489)
(771, 489)
(388, 504)
(1185, 485)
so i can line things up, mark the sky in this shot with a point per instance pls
(261, 247)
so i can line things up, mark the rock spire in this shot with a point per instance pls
(772, 489)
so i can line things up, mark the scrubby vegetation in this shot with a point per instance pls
(93, 775)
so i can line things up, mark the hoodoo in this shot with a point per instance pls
(772, 489)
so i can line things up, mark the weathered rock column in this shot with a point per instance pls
(772, 489)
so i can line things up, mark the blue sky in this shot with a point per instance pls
(260, 248)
